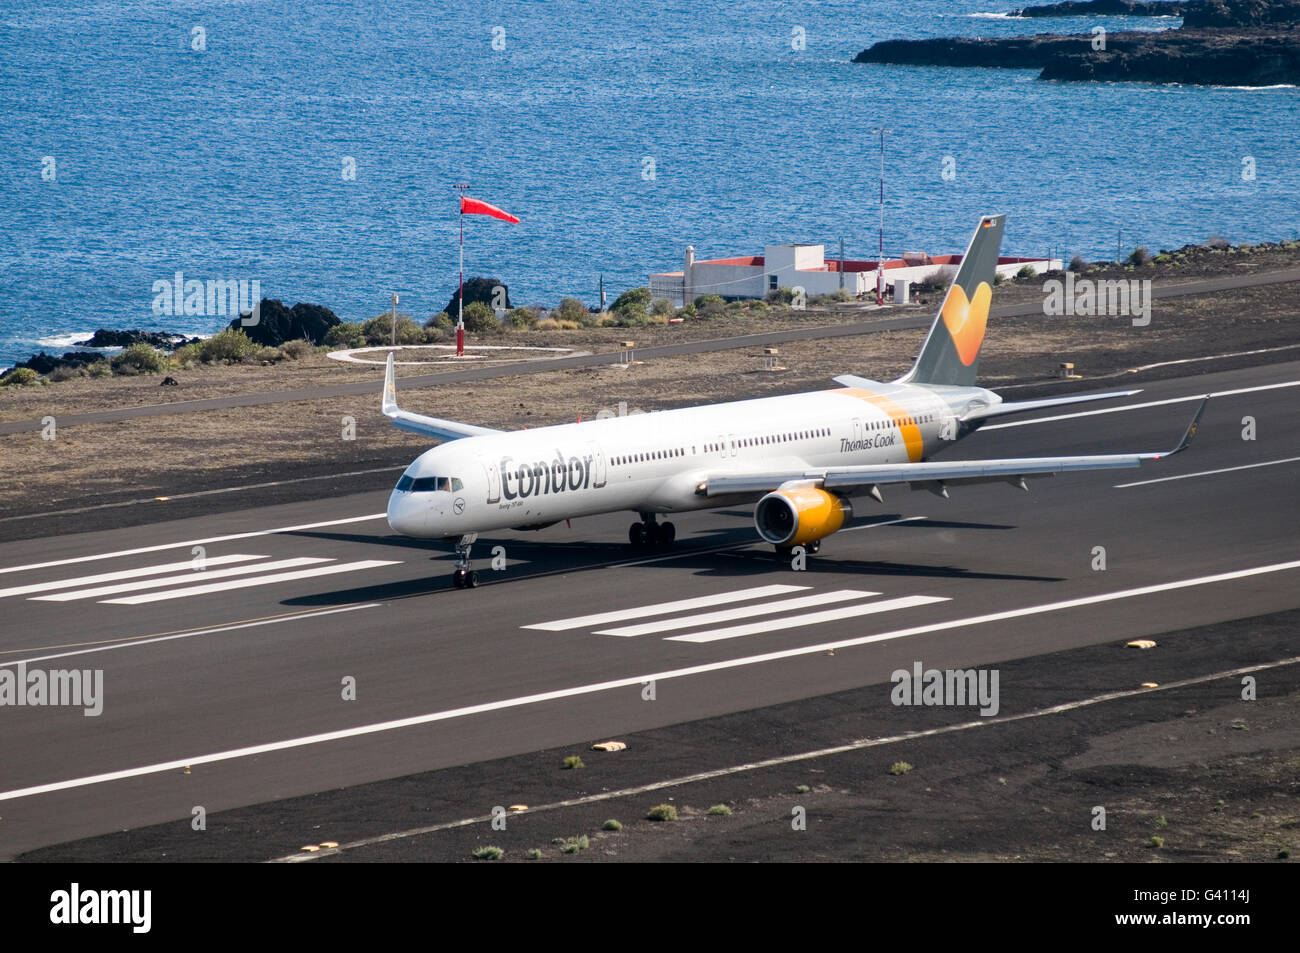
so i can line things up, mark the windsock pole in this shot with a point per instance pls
(460, 294)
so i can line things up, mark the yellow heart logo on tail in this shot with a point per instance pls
(966, 320)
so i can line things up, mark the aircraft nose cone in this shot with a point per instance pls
(404, 515)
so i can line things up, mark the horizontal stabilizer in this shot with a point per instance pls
(1024, 406)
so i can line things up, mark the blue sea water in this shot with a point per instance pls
(227, 162)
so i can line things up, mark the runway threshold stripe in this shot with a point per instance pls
(638, 681)
(192, 576)
(191, 542)
(793, 758)
(808, 618)
(743, 612)
(248, 583)
(663, 608)
(1141, 406)
(123, 574)
(1188, 476)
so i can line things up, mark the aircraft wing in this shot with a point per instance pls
(935, 476)
(418, 423)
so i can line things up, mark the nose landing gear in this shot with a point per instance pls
(464, 577)
(650, 532)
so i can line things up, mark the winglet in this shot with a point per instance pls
(1191, 429)
(389, 403)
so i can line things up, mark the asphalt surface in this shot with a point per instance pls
(1160, 289)
(239, 684)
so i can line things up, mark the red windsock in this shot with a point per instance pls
(475, 207)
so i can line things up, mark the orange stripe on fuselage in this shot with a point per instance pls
(911, 433)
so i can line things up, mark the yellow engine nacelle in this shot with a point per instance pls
(799, 515)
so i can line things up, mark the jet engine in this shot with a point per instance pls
(799, 515)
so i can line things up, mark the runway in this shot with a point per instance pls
(228, 685)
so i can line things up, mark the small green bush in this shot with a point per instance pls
(297, 350)
(899, 767)
(65, 372)
(780, 296)
(346, 335)
(141, 357)
(20, 377)
(432, 335)
(1140, 257)
(488, 853)
(186, 354)
(379, 330)
(570, 309)
(268, 355)
(573, 762)
(99, 369)
(480, 319)
(1156, 841)
(1078, 264)
(232, 344)
(662, 306)
(534, 854)
(662, 812)
(636, 299)
(720, 810)
(1026, 271)
(611, 825)
(521, 319)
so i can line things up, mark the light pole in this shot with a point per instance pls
(880, 254)
(394, 319)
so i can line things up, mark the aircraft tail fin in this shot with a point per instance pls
(950, 354)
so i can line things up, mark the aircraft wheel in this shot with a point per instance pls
(667, 533)
(637, 535)
(814, 547)
(471, 579)
(458, 579)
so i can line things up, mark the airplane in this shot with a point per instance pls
(800, 458)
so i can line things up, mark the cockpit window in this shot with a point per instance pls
(410, 484)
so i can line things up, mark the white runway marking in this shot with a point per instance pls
(1149, 403)
(185, 579)
(1188, 476)
(808, 618)
(663, 608)
(246, 583)
(744, 612)
(627, 682)
(192, 542)
(122, 574)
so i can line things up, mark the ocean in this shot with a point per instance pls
(315, 148)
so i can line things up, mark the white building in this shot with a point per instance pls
(807, 267)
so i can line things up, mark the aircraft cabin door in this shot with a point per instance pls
(493, 481)
(597, 465)
(731, 445)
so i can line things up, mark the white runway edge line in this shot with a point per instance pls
(663, 608)
(123, 574)
(1188, 476)
(192, 542)
(192, 633)
(183, 579)
(227, 584)
(1141, 406)
(635, 680)
(794, 758)
(743, 612)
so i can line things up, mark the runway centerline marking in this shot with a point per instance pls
(1141, 406)
(635, 680)
(192, 542)
(1188, 476)
(743, 612)
(663, 608)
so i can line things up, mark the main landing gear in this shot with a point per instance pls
(649, 532)
(464, 577)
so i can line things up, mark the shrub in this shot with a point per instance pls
(480, 319)
(99, 369)
(662, 812)
(689, 312)
(268, 355)
(662, 306)
(379, 330)
(1026, 271)
(141, 357)
(521, 318)
(232, 344)
(1156, 841)
(899, 767)
(570, 309)
(573, 762)
(431, 335)
(441, 320)
(186, 354)
(534, 854)
(488, 853)
(1078, 264)
(656, 319)
(720, 810)
(630, 318)
(1140, 257)
(607, 320)
(65, 372)
(20, 377)
(635, 298)
(709, 305)
(345, 335)
(298, 349)
(572, 845)
(548, 324)
(780, 296)
(611, 825)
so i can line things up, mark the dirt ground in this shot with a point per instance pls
(156, 455)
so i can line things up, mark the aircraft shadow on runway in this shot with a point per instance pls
(535, 558)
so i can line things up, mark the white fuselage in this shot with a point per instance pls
(654, 463)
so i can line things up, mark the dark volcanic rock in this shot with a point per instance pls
(1213, 60)
(1230, 14)
(477, 289)
(277, 323)
(1111, 8)
(44, 363)
(158, 339)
